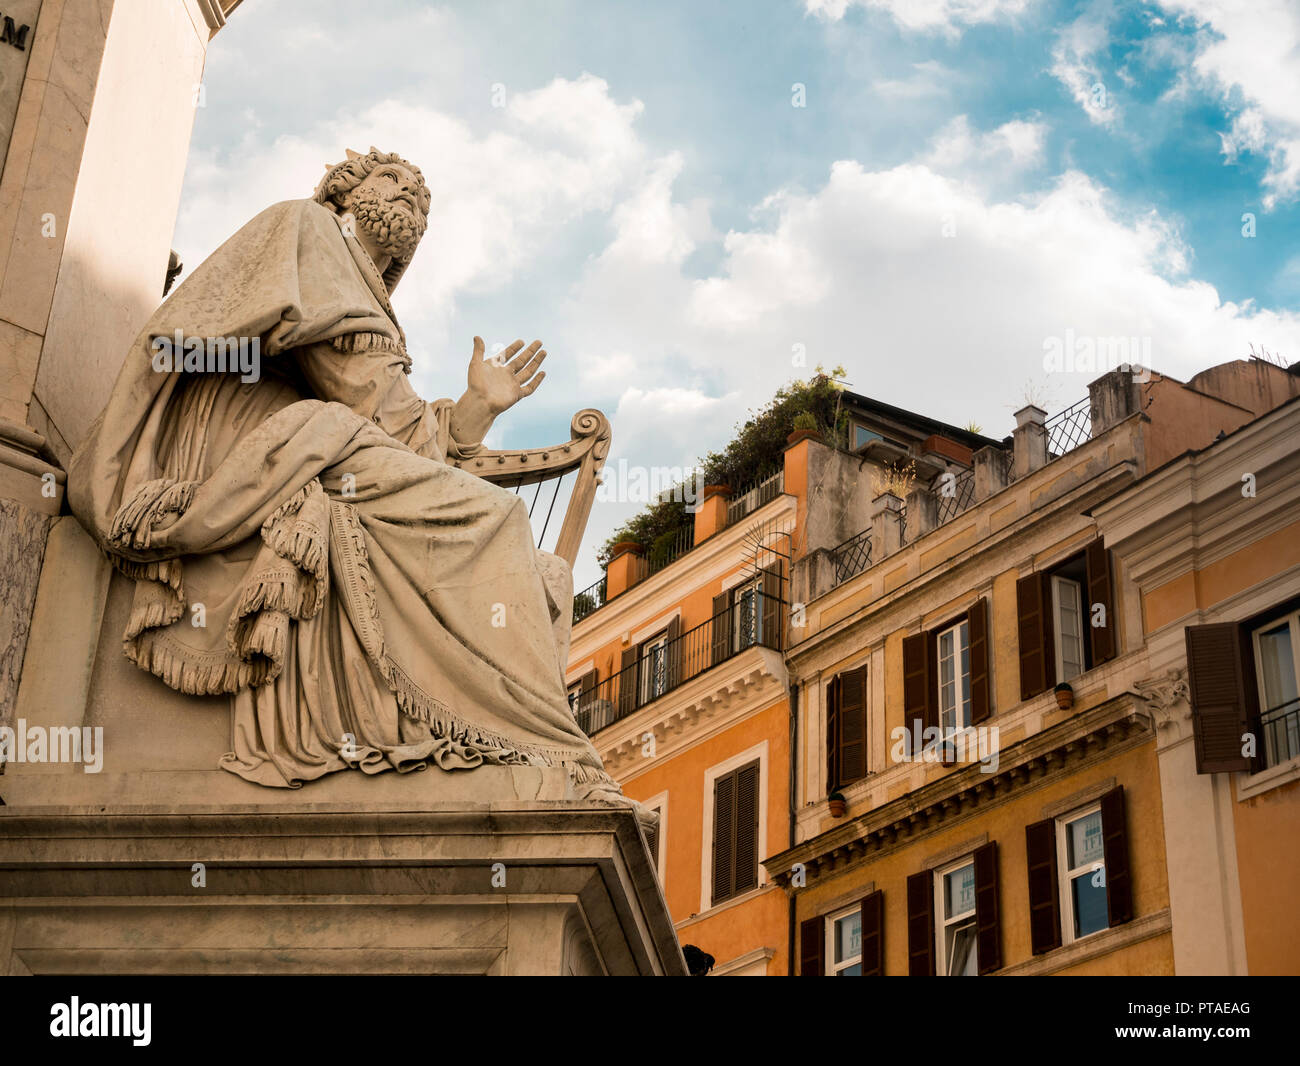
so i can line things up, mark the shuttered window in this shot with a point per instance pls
(920, 924)
(1044, 902)
(812, 943)
(1223, 696)
(846, 728)
(627, 681)
(1079, 874)
(735, 832)
(873, 935)
(720, 631)
(1065, 619)
(947, 676)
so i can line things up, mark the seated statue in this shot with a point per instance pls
(297, 536)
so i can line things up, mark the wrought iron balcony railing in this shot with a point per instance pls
(757, 619)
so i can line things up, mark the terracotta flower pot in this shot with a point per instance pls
(1065, 698)
(625, 546)
(802, 434)
(838, 808)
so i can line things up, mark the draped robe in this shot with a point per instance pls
(301, 543)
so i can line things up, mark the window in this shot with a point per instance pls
(654, 667)
(954, 678)
(575, 692)
(1065, 620)
(844, 943)
(1277, 650)
(1082, 858)
(1245, 684)
(846, 728)
(946, 677)
(1079, 877)
(955, 910)
(656, 838)
(735, 832)
(1067, 613)
(862, 436)
(747, 606)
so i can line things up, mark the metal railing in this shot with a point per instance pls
(956, 496)
(852, 556)
(658, 557)
(1281, 728)
(749, 500)
(754, 620)
(589, 599)
(1067, 429)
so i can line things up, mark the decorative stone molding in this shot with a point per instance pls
(1065, 747)
(1168, 698)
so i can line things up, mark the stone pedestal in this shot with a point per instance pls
(391, 873)
(435, 887)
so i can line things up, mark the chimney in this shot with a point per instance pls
(1030, 440)
(711, 512)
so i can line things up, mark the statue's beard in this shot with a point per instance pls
(388, 224)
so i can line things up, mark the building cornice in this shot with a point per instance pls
(1191, 512)
(1068, 746)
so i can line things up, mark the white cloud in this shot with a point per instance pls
(1249, 52)
(1075, 61)
(929, 78)
(555, 154)
(1010, 149)
(924, 15)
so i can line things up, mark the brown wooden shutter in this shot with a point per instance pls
(673, 653)
(1114, 839)
(1225, 700)
(812, 945)
(833, 735)
(988, 928)
(1101, 590)
(852, 758)
(981, 693)
(627, 678)
(873, 935)
(918, 681)
(724, 836)
(771, 634)
(1044, 891)
(586, 686)
(721, 627)
(920, 925)
(747, 814)
(1034, 626)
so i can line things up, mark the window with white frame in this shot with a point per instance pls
(655, 837)
(844, 942)
(1277, 651)
(575, 691)
(954, 678)
(654, 667)
(1081, 858)
(954, 908)
(1067, 611)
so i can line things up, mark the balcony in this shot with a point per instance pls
(756, 620)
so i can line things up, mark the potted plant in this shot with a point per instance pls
(1064, 696)
(839, 805)
(805, 425)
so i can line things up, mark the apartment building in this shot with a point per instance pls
(677, 672)
(1045, 698)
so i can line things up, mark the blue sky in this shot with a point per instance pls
(967, 180)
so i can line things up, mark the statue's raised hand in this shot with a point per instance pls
(503, 381)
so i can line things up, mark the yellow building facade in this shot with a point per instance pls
(955, 812)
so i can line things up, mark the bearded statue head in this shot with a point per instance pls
(386, 196)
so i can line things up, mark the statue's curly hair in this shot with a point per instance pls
(341, 178)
